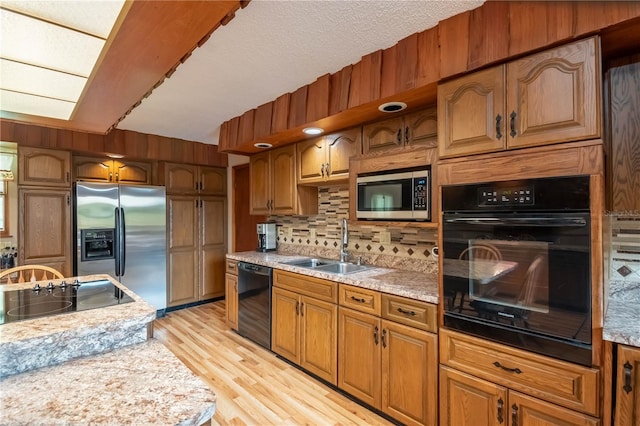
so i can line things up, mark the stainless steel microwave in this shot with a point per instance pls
(399, 195)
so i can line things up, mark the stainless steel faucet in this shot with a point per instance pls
(345, 241)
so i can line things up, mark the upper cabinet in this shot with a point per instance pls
(113, 171)
(326, 159)
(550, 97)
(417, 128)
(274, 189)
(44, 167)
(190, 179)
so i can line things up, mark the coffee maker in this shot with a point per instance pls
(266, 237)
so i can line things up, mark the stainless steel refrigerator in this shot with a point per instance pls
(121, 231)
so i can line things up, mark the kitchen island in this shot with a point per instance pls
(96, 366)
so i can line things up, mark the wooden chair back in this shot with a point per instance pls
(29, 273)
(481, 251)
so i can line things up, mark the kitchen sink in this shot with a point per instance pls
(310, 263)
(342, 268)
(328, 265)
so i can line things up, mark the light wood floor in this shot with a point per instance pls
(253, 387)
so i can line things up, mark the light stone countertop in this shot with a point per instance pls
(140, 384)
(414, 285)
(622, 316)
(40, 342)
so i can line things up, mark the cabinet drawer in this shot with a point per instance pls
(232, 267)
(309, 286)
(360, 299)
(560, 382)
(410, 312)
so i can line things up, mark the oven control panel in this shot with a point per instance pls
(501, 196)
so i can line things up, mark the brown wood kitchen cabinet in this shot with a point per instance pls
(326, 159)
(44, 208)
(374, 352)
(274, 188)
(627, 410)
(417, 128)
(549, 97)
(485, 383)
(231, 294)
(196, 247)
(94, 169)
(304, 322)
(190, 179)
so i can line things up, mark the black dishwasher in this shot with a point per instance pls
(254, 303)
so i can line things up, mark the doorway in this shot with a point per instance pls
(244, 224)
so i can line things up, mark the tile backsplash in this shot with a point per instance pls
(622, 246)
(407, 246)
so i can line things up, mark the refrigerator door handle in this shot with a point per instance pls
(123, 243)
(117, 238)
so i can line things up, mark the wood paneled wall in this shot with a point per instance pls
(410, 70)
(132, 145)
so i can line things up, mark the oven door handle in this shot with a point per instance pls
(522, 221)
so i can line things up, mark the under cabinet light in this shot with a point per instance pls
(312, 130)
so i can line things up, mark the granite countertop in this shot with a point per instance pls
(621, 321)
(95, 366)
(138, 384)
(40, 342)
(414, 285)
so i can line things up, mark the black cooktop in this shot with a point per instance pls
(46, 300)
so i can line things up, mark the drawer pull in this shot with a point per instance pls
(514, 415)
(511, 370)
(359, 300)
(375, 335)
(500, 407)
(498, 127)
(627, 377)
(297, 308)
(384, 337)
(402, 311)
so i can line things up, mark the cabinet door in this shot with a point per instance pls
(260, 183)
(44, 167)
(213, 246)
(409, 394)
(471, 114)
(44, 237)
(340, 148)
(182, 217)
(555, 96)
(383, 135)
(92, 169)
(466, 400)
(359, 355)
(132, 172)
(421, 128)
(212, 180)
(627, 411)
(311, 161)
(528, 411)
(285, 327)
(283, 175)
(180, 178)
(231, 300)
(319, 338)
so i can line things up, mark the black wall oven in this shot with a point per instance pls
(517, 264)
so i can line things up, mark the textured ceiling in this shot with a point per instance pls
(274, 47)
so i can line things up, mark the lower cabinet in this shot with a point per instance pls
(387, 365)
(304, 328)
(627, 411)
(483, 383)
(231, 294)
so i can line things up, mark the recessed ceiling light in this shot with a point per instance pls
(392, 106)
(262, 145)
(312, 130)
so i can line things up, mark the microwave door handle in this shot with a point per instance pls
(522, 221)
